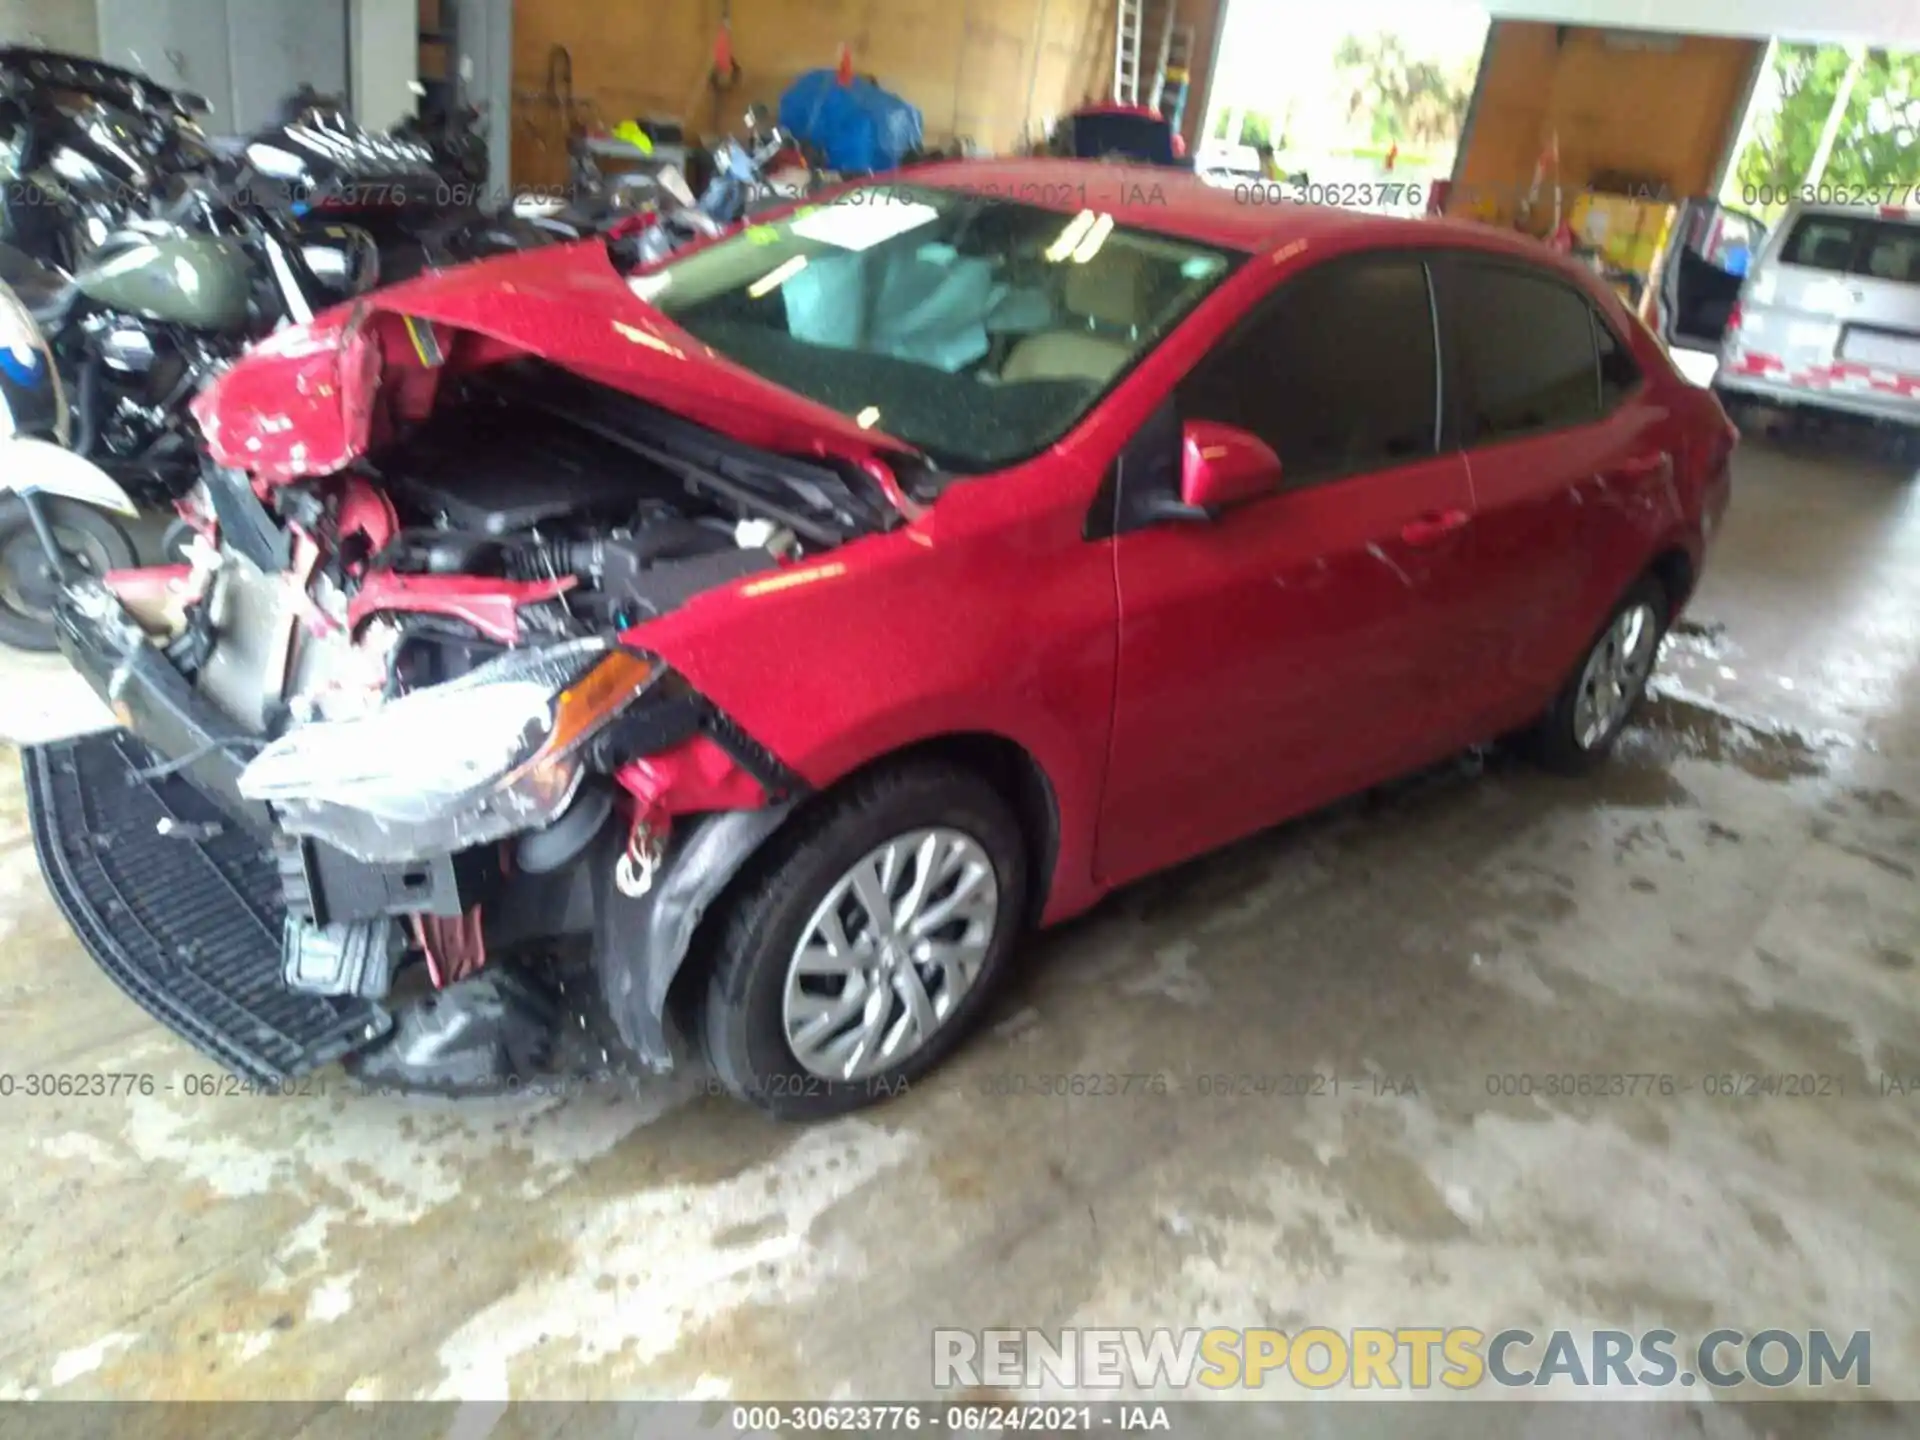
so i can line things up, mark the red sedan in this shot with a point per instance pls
(786, 630)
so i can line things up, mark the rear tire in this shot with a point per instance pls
(814, 1006)
(1593, 707)
(93, 542)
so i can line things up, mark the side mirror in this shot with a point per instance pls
(1222, 466)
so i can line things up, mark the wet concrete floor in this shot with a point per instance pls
(1734, 896)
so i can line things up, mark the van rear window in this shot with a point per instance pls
(1855, 245)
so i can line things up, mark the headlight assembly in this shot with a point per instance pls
(473, 760)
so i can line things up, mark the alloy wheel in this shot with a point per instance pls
(1615, 671)
(889, 954)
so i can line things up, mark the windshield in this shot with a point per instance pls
(977, 330)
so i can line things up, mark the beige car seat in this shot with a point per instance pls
(1108, 296)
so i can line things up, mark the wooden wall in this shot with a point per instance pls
(1667, 114)
(991, 70)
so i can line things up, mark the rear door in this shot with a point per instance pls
(1566, 456)
(1836, 301)
(1708, 254)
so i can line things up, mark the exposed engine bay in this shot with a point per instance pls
(530, 507)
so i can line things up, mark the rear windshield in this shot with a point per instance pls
(1855, 245)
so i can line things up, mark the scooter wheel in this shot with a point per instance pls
(93, 543)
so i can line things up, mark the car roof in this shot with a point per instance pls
(1179, 203)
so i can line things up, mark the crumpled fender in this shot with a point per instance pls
(307, 400)
(640, 944)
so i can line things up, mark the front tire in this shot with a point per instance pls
(1591, 710)
(863, 944)
(93, 543)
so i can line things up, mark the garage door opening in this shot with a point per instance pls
(1367, 101)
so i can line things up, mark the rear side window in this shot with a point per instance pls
(1893, 253)
(1855, 245)
(1337, 372)
(1527, 352)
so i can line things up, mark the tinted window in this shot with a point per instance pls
(1337, 372)
(1527, 351)
(1893, 253)
(1823, 242)
(1855, 245)
(1619, 373)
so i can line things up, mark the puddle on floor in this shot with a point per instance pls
(1701, 640)
(1674, 724)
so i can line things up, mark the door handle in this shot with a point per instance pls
(1433, 527)
(1640, 466)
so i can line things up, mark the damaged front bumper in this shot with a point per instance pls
(226, 928)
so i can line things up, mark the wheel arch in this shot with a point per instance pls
(1006, 765)
(1012, 770)
(1673, 567)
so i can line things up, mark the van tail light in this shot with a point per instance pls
(1894, 212)
(1733, 318)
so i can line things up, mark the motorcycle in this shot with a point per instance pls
(56, 521)
(328, 171)
(158, 308)
(157, 275)
(81, 145)
(769, 170)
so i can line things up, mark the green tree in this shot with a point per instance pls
(1877, 145)
(1406, 100)
(1257, 127)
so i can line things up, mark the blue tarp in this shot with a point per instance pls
(855, 127)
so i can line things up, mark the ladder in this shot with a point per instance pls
(1165, 54)
(1176, 77)
(1127, 30)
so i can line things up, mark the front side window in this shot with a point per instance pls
(1527, 352)
(975, 329)
(1337, 372)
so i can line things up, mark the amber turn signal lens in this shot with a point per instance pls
(595, 696)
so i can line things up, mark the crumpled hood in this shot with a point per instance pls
(303, 401)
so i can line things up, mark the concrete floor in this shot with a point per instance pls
(1729, 896)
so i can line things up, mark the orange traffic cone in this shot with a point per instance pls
(844, 71)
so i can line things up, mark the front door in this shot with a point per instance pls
(1697, 280)
(1295, 648)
